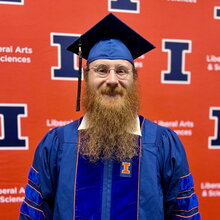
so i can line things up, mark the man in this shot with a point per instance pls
(112, 163)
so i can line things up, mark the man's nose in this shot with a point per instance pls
(112, 78)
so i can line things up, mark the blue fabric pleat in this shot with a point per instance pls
(106, 190)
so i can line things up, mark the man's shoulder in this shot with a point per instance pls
(71, 125)
(152, 131)
(152, 124)
(148, 124)
(68, 132)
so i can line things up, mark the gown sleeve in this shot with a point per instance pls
(41, 186)
(180, 199)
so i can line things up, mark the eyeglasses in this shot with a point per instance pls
(103, 71)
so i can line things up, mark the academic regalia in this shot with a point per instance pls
(62, 185)
(155, 185)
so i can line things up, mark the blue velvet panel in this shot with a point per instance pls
(124, 194)
(33, 195)
(88, 190)
(31, 212)
(33, 176)
(186, 183)
(186, 203)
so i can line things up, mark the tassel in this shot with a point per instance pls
(79, 77)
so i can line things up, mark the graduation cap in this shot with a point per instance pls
(112, 39)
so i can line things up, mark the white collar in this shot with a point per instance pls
(84, 125)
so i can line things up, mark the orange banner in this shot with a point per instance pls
(179, 81)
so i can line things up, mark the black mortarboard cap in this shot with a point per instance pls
(110, 27)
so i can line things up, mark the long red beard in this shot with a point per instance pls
(109, 120)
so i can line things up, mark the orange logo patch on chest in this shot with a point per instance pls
(126, 168)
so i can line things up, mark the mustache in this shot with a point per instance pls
(111, 91)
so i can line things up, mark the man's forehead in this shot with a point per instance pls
(111, 62)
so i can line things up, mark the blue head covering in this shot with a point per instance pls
(113, 49)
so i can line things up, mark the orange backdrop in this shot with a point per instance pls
(179, 81)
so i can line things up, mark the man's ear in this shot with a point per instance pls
(135, 73)
(85, 73)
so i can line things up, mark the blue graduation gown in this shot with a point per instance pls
(155, 185)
